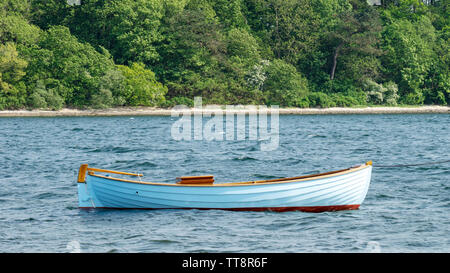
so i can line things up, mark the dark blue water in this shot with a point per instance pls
(406, 209)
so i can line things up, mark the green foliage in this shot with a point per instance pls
(391, 93)
(16, 28)
(242, 47)
(288, 27)
(414, 98)
(129, 29)
(342, 100)
(47, 13)
(141, 87)
(178, 101)
(353, 38)
(381, 94)
(294, 53)
(319, 99)
(16, 7)
(284, 85)
(192, 48)
(42, 97)
(77, 67)
(405, 9)
(11, 65)
(410, 56)
(12, 70)
(112, 90)
(229, 13)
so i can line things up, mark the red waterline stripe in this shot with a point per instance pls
(276, 209)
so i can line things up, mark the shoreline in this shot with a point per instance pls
(152, 111)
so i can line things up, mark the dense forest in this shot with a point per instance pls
(292, 53)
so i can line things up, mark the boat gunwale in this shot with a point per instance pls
(246, 183)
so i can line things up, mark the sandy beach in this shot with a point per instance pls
(151, 111)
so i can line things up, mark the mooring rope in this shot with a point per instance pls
(410, 165)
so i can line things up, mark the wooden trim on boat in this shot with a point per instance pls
(84, 169)
(204, 179)
(260, 182)
(115, 172)
(82, 173)
(195, 177)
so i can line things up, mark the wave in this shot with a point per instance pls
(119, 150)
(265, 176)
(244, 158)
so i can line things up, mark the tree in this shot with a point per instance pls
(73, 69)
(129, 29)
(404, 9)
(243, 46)
(47, 13)
(16, 7)
(381, 94)
(284, 85)
(42, 97)
(141, 87)
(15, 28)
(229, 13)
(193, 49)
(288, 26)
(409, 56)
(356, 32)
(314, 60)
(12, 70)
(287, 52)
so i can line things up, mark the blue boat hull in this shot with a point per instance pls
(337, 191)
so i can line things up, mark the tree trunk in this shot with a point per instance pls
(277, 33)
(336, 53)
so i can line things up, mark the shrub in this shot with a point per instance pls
(102, 99)
(342, 100)
(302, 102)
(319, 99)
(13, 97)
(178, 101)
(141, 86)
(112, 90)
(359, 96)
(391, 93)
(12, 70)
(415, 98)
(381, 94)
(43, 97)
(284, 85)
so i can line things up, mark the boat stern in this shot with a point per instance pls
(84, 196)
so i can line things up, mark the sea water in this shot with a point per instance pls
(406, 209)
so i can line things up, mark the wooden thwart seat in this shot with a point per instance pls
(203, 179)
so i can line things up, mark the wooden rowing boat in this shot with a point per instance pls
(330, 191)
